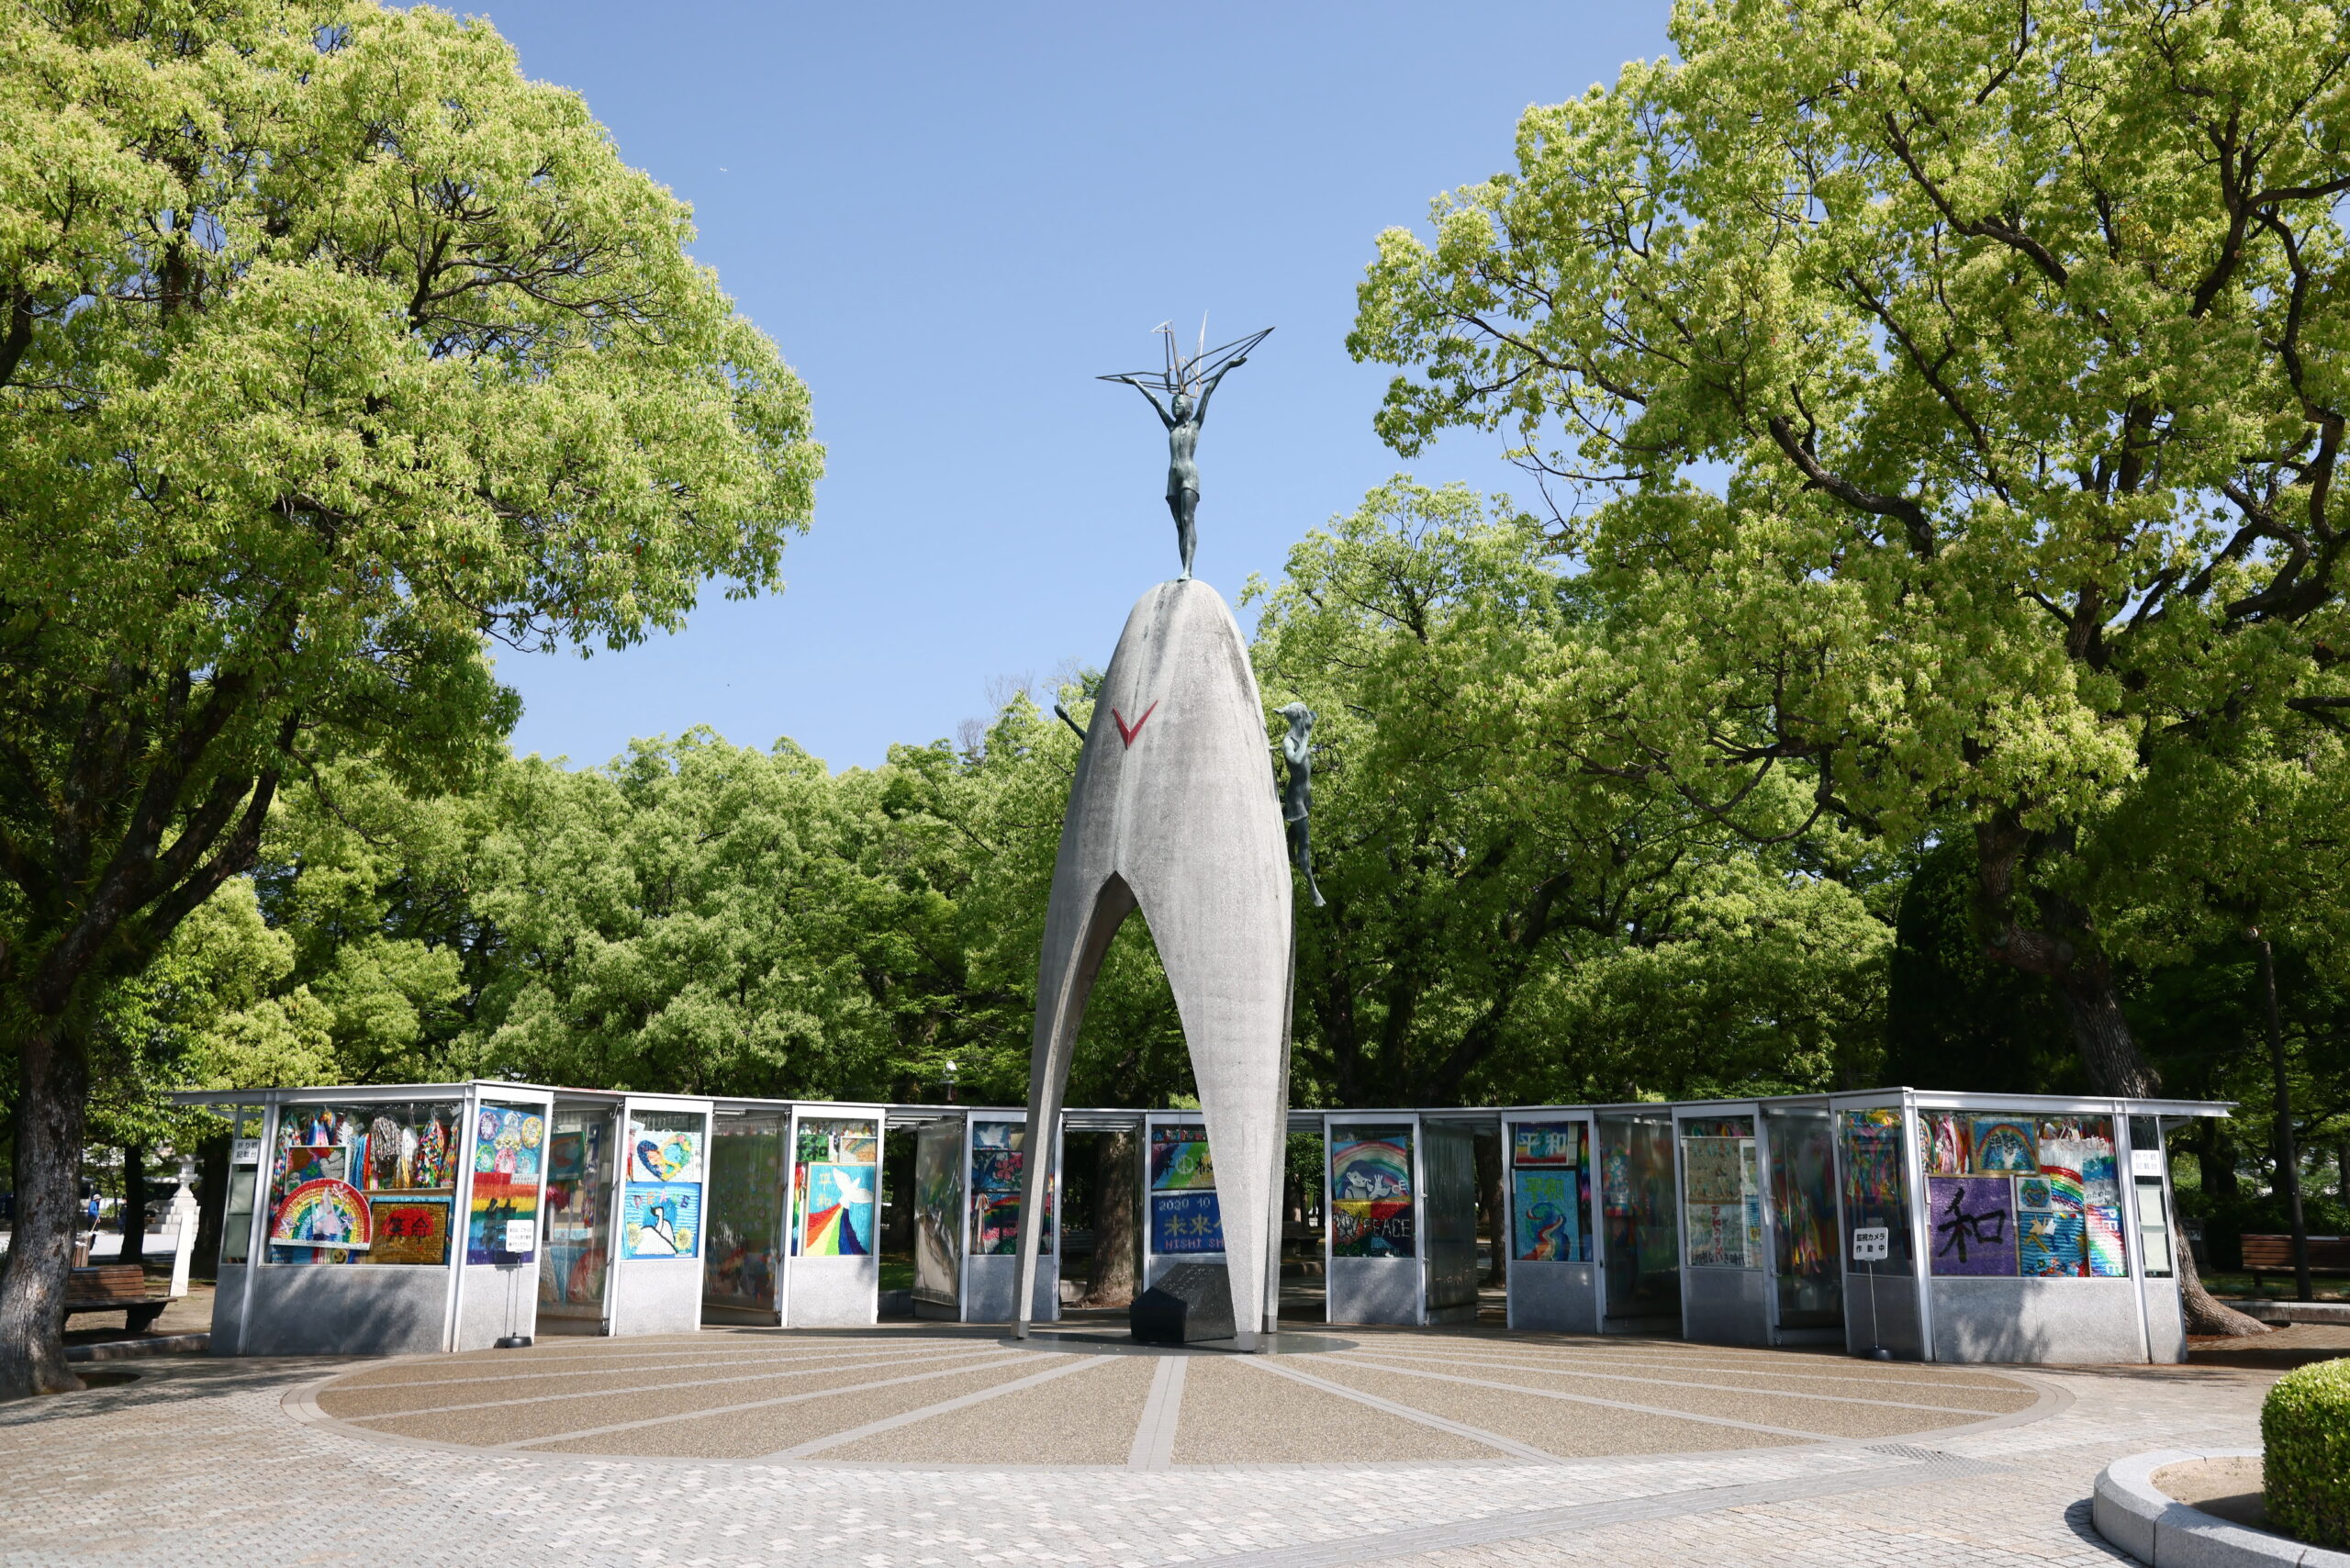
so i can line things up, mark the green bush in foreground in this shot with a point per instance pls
(2305, 1433)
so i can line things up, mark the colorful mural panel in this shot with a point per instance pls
(323, 1211)
(509, 1141)
(1546, 1217)
(1371, 1229)
(661, 1219)
(665, 1147)
(411, 1230)
(1180, 1159)
(834, 1140)
(1973, 1222)
(1370, 1164)
(1546, 1143)
(836, 1204)
(2004, 1145)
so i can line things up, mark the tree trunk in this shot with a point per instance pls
(52, 1088)
(2116, 1066)
(2288, 1152)
(134, 1204)
(1492, 1207)
(1112, 1279)
(2084, 980)
(211, 1202)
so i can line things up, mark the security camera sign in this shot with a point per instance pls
(1872, 1243)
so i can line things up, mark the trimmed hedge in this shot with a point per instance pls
(2305, 1465)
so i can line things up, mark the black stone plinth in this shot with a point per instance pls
(1190, 1302)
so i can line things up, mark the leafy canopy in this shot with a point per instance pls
(330, 346)
(2013, 339)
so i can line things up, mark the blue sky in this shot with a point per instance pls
(952, 218)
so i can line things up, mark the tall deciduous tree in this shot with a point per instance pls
(330, 347)
(1505, 921)
(2016, 335)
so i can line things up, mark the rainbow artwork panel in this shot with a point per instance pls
(995, 1219)
(2004, 1145)
(836, 1206)
(1370, 1164)
(323, 1211)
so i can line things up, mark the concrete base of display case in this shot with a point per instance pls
(2044, 1322)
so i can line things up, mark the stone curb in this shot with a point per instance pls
(2293, 1311)
(2156, 1528)
(125, 1349)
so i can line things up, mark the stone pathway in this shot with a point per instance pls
(1421, 1448)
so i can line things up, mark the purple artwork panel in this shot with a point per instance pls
(1972, 1226)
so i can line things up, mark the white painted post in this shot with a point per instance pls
(184, 1213)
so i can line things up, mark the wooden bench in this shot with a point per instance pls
(2274, 1255)
(114, 1287)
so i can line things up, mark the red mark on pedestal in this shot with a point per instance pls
(1127, 732)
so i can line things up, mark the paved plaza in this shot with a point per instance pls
(941, 1444)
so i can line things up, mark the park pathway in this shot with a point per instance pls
(939, 1444)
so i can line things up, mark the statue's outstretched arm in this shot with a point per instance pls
(1200, 414)
(1166, 415)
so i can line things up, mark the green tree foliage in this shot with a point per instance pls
(2015, 335)
(330, 346)
(1505, 921)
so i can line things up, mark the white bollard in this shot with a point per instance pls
(183, 1216)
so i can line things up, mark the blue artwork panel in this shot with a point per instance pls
(1545, 1217)
(1185, 1222)
(661, 1219)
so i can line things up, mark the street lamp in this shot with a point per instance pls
(950, 1080)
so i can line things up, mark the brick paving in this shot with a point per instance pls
(204, 1461)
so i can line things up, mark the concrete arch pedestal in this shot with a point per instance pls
(1174, 811)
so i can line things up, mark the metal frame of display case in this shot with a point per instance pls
(657, 1295)
(1735, 1305)
(1723, 1304)
(1884, 1307)
(614, 1104)
(830, 1292)
(369, 1309)
(729, 1119)
(1373, 1290)
(1560, 1296)
(980, 1284)
(356, 1308)
(518, 1314)
(1634, 1110)
(2027, 1318)
(1776, 1329)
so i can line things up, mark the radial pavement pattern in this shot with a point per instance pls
(930, 1396)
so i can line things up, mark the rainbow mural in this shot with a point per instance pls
(324, 1213)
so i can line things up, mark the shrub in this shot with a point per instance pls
(2305, 1431)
